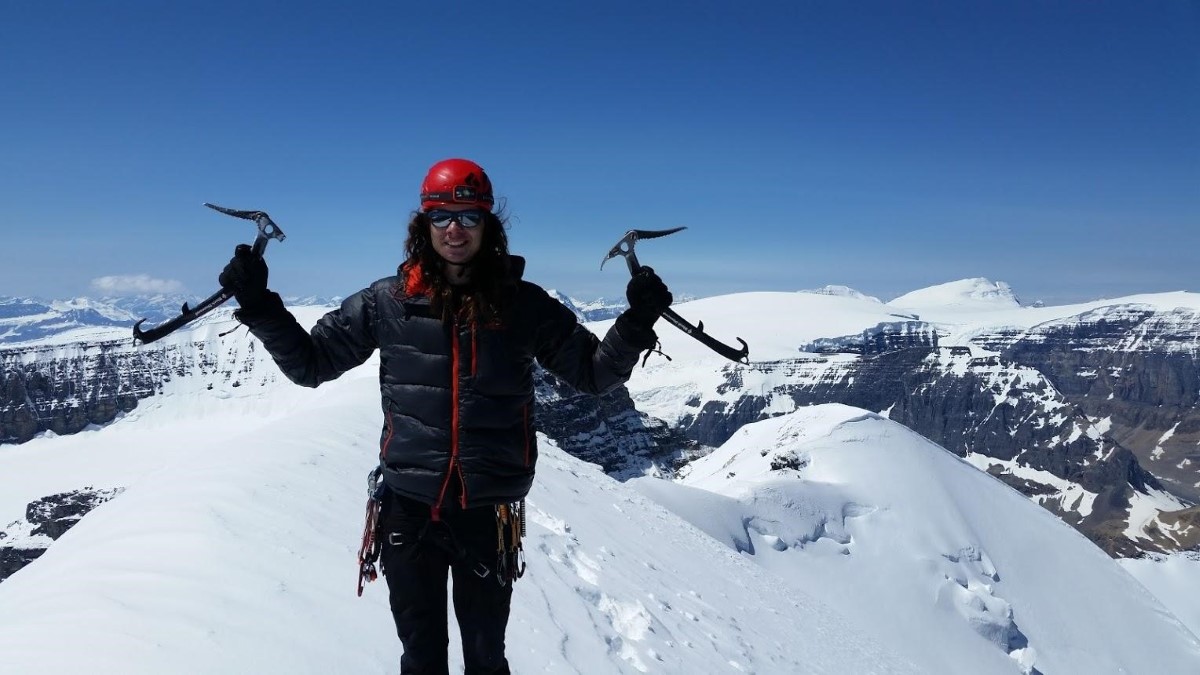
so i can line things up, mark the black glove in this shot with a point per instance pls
(246, 276)
(647, 295)
(648, 298)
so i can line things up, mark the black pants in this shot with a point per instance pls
(415, 566)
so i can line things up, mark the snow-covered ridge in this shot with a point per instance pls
(841, 543)
(958, 363)
(986, 381)
(259, 502)
(965, 294)
(1134, 328)
(841, 291)
(867, 514)
(779, 325)
(968, 303)
(829, 510)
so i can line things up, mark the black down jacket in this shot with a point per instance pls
(457, 399)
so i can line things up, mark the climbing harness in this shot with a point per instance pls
(510, 530)
(439, 533)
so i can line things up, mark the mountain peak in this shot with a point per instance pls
(594, 310)
(841, 291)
(977, 292)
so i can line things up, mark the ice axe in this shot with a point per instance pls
(267, 230)
(624, 248)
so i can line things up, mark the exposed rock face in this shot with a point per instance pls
(64, 388)
(54, 515)
(1003, 411)
(1139, 372)
(46, 519)
(13, 559)
(609, 431)
(885, 337)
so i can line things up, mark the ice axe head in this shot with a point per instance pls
(267, 229)
(624, 247)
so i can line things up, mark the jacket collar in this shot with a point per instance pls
(414, 282)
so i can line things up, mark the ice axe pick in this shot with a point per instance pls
(625, 249)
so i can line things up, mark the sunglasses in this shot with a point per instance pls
(441, 218)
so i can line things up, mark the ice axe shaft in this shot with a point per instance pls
(625, 249)
(740, 355)
(267, 230)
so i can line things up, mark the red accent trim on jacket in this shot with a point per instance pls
(474, 350)
(391, 429)
(455, 358)
(462, 482)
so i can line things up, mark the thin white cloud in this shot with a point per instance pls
(135, 284)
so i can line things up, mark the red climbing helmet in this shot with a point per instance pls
(456, 181)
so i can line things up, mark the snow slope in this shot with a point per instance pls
(1175, 580)
(232, 550)
(865, 514)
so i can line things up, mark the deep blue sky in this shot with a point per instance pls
(881, 145)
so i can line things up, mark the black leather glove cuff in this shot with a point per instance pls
(252, 299)
(648, 296)
(637, 328)
(246, 275)
(258, 306)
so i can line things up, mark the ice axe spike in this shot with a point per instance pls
(267, 230)
(625, 249)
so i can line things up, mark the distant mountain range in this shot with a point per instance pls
(25, 319)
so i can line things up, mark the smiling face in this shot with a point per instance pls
(456, 244)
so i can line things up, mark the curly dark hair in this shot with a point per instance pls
(483, 299)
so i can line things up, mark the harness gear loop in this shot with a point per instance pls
(368, 551)
(510, 530)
